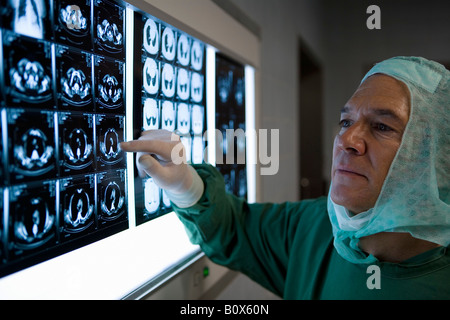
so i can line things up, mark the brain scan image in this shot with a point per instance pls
(77, 143)
(168, 116)
(150, 114)
(109, 29)
(31, 144)
(110, 85)
(151, 76)
(196, 87)
(32, 216)
(150, 39)
(110, 132)
(77, 201)
(27, 17)
(197, 149)
(74, 71)
(183, 50)
(197, 55)
(197, 119)
(28, 73)
(151, 196)
(239, 91)
(183, 119)
(224, 85)
(168, 43)
(112, 195)
(183, 88)
(168, 80)
(73, 23)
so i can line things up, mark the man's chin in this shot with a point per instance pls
(351, 199)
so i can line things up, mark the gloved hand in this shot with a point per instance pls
(161, 155)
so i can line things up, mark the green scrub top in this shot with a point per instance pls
(288, 249)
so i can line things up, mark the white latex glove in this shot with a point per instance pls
(161, 155)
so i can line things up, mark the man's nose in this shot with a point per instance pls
(353, 140)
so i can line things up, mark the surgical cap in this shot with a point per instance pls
(415, 196)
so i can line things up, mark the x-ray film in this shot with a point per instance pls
(151, 114)
(168, 43)
(183, 118)
(31, 142)
(168, 116)
(111, 197)
(230, 114)
(183, 49)
(168, 79)
(198, 119)
(109, 30)
(73, 23)
(152, 196)
(27, 72)
(76, 143)
(31, 18)
(197, 52)
(62, 107)
(197, 149)
(183, 84)
(77, 201)
(74, 79)
(32, 218)
(110, 132)
(151, 36)
(197, 84)
(170, 93)
(150, 74)
(109, 85)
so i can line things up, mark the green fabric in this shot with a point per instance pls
(288, 248)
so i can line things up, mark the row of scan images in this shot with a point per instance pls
(38, 145)
(43, 75)
(40, 215)
(154, 199)
(163, 42)
(91, 25)
(164, 79)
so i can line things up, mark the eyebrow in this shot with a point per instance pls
(380, 112)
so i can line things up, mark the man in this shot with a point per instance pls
(388, 202)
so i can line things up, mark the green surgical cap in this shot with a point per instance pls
(415, 196)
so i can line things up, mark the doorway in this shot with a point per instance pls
(312, 182)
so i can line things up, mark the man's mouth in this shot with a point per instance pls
(349, 171)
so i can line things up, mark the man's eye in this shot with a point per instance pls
(382, 127)
(344, 123)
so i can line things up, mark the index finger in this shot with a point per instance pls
(162, 149)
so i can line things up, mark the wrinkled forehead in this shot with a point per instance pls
(384, 86)
(381, 94)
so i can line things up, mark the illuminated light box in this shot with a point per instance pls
(93, 74)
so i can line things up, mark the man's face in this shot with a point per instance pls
(372, 124)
